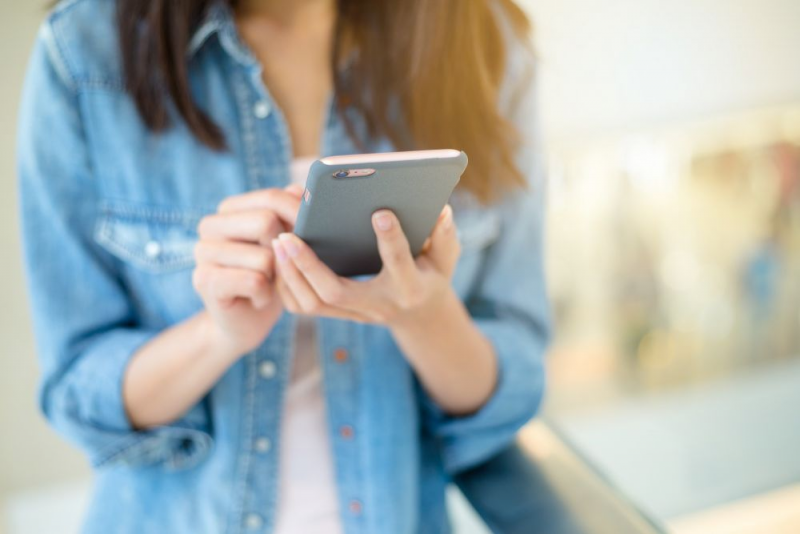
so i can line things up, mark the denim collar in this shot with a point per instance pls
(219, 21)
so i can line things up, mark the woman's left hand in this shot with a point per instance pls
(404, 289)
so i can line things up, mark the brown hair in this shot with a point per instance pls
(442, 61)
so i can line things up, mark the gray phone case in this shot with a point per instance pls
(335, 216)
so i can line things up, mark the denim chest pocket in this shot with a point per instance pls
(150, 239)
(478, 230)
(154, 251)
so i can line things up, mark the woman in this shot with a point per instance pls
(219, 378)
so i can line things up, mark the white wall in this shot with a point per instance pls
(614, 65)
(30, 453)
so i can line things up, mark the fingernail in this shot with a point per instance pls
(288, 241)
(448, 217)
(280, 252)
(383, 220)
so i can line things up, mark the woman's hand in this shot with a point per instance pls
(406, 288)
(235, 274)
(453, 360)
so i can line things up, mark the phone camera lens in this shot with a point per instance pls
(341, 174)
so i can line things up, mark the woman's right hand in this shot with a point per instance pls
(235, 273)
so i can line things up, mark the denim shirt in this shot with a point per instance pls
(109, 213)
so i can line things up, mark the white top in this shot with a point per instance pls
(307, 501)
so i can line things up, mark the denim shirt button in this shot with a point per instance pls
(263, 445)
(355, 507)
(152, 249)
(261, 109)
(253, 521)
(340, 355)
(267, 369)
(346, 432)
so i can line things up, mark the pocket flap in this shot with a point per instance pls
(153, 239)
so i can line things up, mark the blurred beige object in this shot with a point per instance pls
(651, 236)
(777, 512)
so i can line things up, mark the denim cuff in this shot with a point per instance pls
(469, 440)
(87, 406)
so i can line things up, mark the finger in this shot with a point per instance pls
(240, 255)
(295, 189)
(284, 203)
(393, 246)
(445, 249)
(224, 284)
(260, 226)
(302, 291)
(345, 315)
(291, 304)
(331, 288)
(426, 246)
(285, 294)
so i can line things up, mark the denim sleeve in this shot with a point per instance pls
(85, 323)
(509, 306)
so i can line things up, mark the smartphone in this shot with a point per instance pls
(342, 193)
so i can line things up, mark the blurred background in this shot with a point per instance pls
(673, 132)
